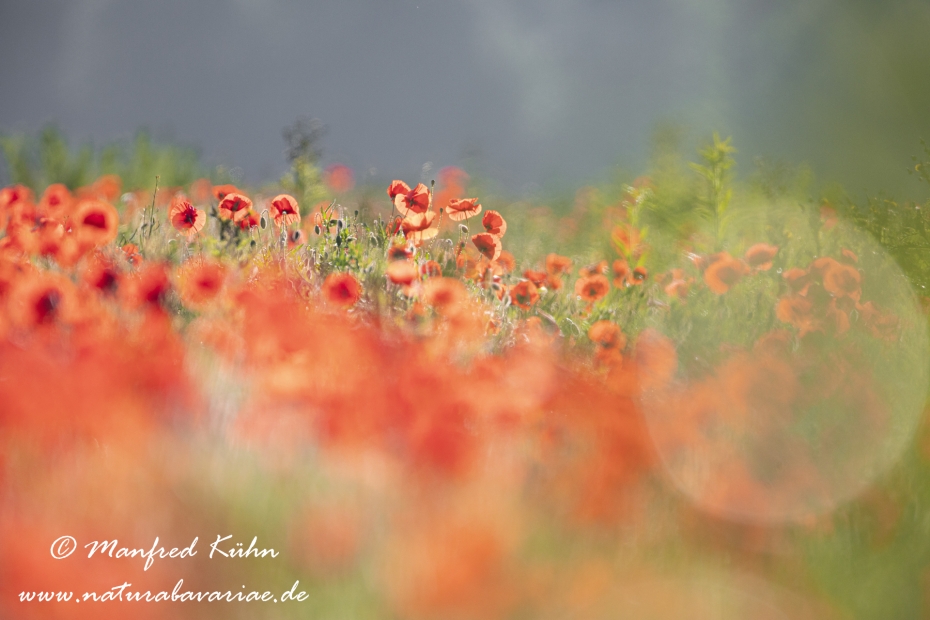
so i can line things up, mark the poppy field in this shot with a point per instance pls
(674, 396)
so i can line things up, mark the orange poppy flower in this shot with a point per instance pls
(49, 234)
(723, 273)
(402, 272)
(95, 222)
(339, 178)
(536, 277)
(108, 187)
(430, 269)
(200, 190)
(15, 194)
(445, 295)
(41, 299)
(639, 275)
(797, 311)
(399, 251)
(101, 273)
(418, 227)
(150, 287)
(247, 219)
(200, 282)
(185, 218)
(459, 210)
(234, 206)
(284, 210)
(131, 251)
(592, 288)
(221, 191)
(607, 335)
(524, 294)
(597, 268)
(494, 224)
(413, 201)
(556, 264)
(489, 245)
(798, 280)
(56, 201)
(507, 262)
(759, 257)
(848, 256)
(622, 275)
(342, 289)
(397, 188)
(843, 280)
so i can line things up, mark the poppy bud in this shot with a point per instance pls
(340, 225)
(463, 228)
(316, 229)
(356, 213)
(262, 223)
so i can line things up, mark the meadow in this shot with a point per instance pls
(677, 395)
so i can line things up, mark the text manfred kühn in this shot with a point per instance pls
(222, 547)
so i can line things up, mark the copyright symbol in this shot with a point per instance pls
(63, 547)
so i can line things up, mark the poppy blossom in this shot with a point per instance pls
(494, 223)
(506, 261)
(95, 222)
(592, 288)
(418, 227)
(413, 201)
(399, 251)
(221, 191)
(723, 273)
(397, 188)
(149, 288)
(339, 178)
(489, 245)
(797, 311)
(101, 273)
(56, 201)
(430, 269)
(342, 289)
(622, 274)
(597, 268)
(639, 275)
(556, 264)
(843, 280)
(848, 256)
(199, 282)
(234, 206)
(131, 252)
(524, 294)
(108, 187)
(247, 219)
(284, 210)
(185, 217)
(798, 280)
(402, 272)
(607, 335)
(43, 299)
(462, 209)
(759, 256)
(445, 295)
(536, 277)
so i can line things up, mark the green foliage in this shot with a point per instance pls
(716, 174)
(39, 161)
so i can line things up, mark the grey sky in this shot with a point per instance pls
(540, 89)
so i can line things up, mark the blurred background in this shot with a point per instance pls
(528, 93)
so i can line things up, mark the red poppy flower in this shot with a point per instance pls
(798, 280)
(234, 206)
(842, 280)
(759, 256)
(430, 269)
(185, 217)
(556, 264)
(607, 335)
(339, 178)
(247, 219)
(199, 282)
(56, 201)
(284, 210)
(131, 251)
(414, 201)
(402, 272)
(524, 294)
(221, 191)
(536, 277)
(41, 299)
(101, 273)
(445, 295)
(723, 273)
(342, 289)
(494, 224)
(149, 288)
(639, 275)
(507, 262)
(622, 275)
(397, 188)
(462, 209)
(418, 227)
(592, 288)
(797, 311)
(95, 222)
(489, 245)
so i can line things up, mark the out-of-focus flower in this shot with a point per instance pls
(342, 289)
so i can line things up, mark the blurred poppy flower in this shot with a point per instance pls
(842, 280)
(524, 294)
(95, 222)
(430, 269)
(723, 273)
(418, 227)
(339, 178)
(556, 264)
(592, 288)
(247, 219)
(445, 295)
(402, 272)
(221, 191)
(200, 281)
(607, 335)
(56, 201)
(42, 299)
(759, 257)
(342, 289)
(639, 275)
(149, 288)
